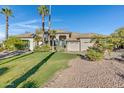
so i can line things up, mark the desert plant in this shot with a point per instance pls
(118, 38)
(94, 55)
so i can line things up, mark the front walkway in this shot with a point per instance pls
(82, 73)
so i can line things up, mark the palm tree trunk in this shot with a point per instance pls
(43, 24)
(7, 27)
(49, 24)
(52, 45)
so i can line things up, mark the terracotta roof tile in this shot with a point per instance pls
(27, 35)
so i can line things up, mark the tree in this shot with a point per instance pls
(117, 38)
(49, 24)
(37, 36)
(7, 12)
(52, 34)
(43, 11)
(14, 43)
(102, 45)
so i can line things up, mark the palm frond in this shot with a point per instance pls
(43, 10)
(6, 11)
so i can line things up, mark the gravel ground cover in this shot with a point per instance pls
(85, 74)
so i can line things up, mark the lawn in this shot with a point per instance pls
(32, 70)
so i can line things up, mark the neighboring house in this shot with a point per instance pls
(69, 41)
(29, 37)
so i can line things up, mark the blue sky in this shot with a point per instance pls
(81, 19)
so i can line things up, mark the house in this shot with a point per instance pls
(67, 40)
(29, 37)
(75, 41)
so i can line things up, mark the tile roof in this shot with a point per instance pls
(27, 35)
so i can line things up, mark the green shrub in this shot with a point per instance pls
(94, 55)
(1, 49)
(43, 48)
(14, 43)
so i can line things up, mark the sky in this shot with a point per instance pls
(82, 19)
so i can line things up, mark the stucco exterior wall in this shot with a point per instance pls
(73, 46)
(85, 43)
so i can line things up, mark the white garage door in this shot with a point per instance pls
(73, 46)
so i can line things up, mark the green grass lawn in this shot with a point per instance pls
(32, 70)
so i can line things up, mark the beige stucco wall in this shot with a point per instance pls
(85, 43)
(73, 46)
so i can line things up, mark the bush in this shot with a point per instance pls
(14, 43)
(1, 49)
(94, 55)
(43, 48)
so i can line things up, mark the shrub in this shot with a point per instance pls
(14, 43)
(94, 55)
(1, 49)
(43, 48)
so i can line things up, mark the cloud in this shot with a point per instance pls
(31, 24)
(27, 22)
(21, 27)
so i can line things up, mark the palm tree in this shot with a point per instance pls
(49, 21)
(7, 12)
(43, 11)
(49, 24)
(38, 38)
(52, 34)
